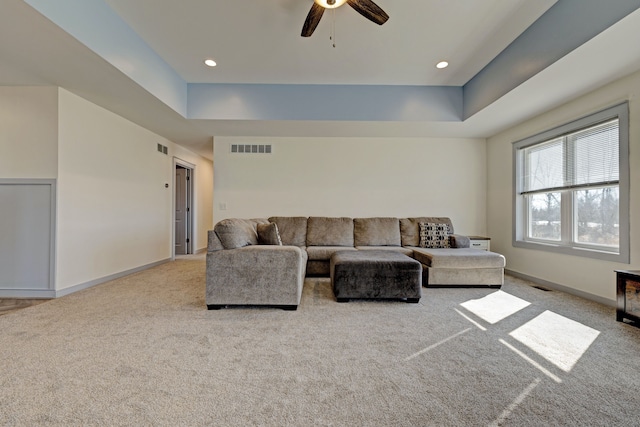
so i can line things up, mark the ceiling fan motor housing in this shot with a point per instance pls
(330, 4)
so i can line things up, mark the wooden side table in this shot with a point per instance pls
(628, 295)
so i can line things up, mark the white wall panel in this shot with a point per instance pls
(28, 132)
(26, 235)
(114, 211)
(355, 177)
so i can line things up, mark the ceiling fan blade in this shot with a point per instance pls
(312, 21)
(369, 10)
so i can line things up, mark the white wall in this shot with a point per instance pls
(582, 274)
(114, 212)
(28, 132)
(354, 177)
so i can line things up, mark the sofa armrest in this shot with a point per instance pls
(256, 275)
(459, 241)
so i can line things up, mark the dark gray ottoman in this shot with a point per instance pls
(375, 274)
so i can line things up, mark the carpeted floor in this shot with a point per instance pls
(143, 350)
(7, 305)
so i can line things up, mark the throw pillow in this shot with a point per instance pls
(434, 236)
(268, 234)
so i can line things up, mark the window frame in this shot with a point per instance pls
(567, 245)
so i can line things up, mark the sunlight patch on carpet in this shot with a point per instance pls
(559, 340)
(439, 343)
(514, 405)
(496, 306)
(478, 325)
(531, 361)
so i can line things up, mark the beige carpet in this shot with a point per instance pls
(143, 350)
(7, 305)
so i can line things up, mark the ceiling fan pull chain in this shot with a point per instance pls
(333, 27)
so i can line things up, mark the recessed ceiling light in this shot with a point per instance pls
(442, 64)
(210, 62)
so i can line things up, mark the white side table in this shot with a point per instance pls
(480, 242)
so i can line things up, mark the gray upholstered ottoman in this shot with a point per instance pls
(375, 274)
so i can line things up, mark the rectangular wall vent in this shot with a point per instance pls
(162, 149)
(251, 148)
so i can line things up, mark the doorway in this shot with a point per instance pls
(183, 215)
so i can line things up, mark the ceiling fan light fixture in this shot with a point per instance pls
(442, 64)
(330, 4)
(366, 8)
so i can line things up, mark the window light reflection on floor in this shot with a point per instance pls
(496, 306)
(559, 340)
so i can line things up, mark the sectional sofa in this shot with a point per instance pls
(264, 261)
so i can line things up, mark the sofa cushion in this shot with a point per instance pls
(459, 258)
(324, 253)
(237, 233)
(410, 228)
(399, 249)
(318, 268)
(433, 235)
(325, 231)
(292, 229)
(376, 231)
(268, 234)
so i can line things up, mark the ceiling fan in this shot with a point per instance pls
(366, 8)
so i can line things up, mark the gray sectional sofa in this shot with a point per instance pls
(253, 262)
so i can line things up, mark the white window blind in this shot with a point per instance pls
(582, 159)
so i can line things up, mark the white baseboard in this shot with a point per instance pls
(48, 294)
(562, 288)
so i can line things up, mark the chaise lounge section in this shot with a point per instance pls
(461, 267)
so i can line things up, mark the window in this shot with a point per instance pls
(572, 187)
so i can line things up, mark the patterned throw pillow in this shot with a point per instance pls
(268, 234)
(434, 235)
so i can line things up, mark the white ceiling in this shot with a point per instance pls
(258, 41)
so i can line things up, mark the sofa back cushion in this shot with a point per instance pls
(324, 231)
(237, 233)
(292, 229)
(376, 232)
(410, 228)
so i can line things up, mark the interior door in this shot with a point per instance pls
(181, 211)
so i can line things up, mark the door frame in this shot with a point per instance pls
(190, 215)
